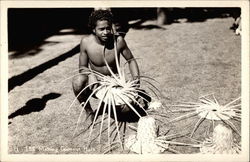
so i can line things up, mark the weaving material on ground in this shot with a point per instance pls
(222, 142)
(144, 141)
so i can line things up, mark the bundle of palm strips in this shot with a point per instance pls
(221, 142)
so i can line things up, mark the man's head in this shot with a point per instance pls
(100, 22)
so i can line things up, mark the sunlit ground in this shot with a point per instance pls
(187, 59)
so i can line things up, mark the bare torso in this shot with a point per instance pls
(95, 53)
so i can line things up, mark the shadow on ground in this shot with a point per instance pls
(139, 25)
(28, 28)
(34, 105)
(20, 79)
(198, 14)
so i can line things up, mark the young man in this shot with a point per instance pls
(91, 56)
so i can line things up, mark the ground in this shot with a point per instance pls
(187, 59)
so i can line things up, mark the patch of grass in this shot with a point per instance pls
(188, 60)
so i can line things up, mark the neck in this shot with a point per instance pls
(109, 44)
(99, 41)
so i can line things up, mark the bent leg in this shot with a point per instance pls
(79, 83)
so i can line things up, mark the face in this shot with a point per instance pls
(102, 30)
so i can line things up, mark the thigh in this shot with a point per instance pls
(80, 86)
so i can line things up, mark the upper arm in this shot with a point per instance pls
(133, 66)
(127, 54)
(83, 58)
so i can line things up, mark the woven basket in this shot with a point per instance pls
(116, 92)
(222, 142)
(144, 141)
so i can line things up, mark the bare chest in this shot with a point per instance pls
(97, 54)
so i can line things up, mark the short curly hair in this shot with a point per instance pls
(99, 15)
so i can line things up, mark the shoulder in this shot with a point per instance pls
(121, 41)
(86, 40)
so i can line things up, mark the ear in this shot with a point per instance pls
(93, 30)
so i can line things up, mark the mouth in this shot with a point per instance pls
(105, 37)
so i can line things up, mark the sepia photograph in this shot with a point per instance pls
(125, 80)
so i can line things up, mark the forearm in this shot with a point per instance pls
(134, 69)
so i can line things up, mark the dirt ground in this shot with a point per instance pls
(187, 59)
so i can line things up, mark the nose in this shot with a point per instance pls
(106, 31)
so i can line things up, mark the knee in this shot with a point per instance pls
(79, 82)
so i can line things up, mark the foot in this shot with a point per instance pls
(124, 108)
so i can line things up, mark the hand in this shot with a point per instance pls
(92, 79)
(137, 83)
